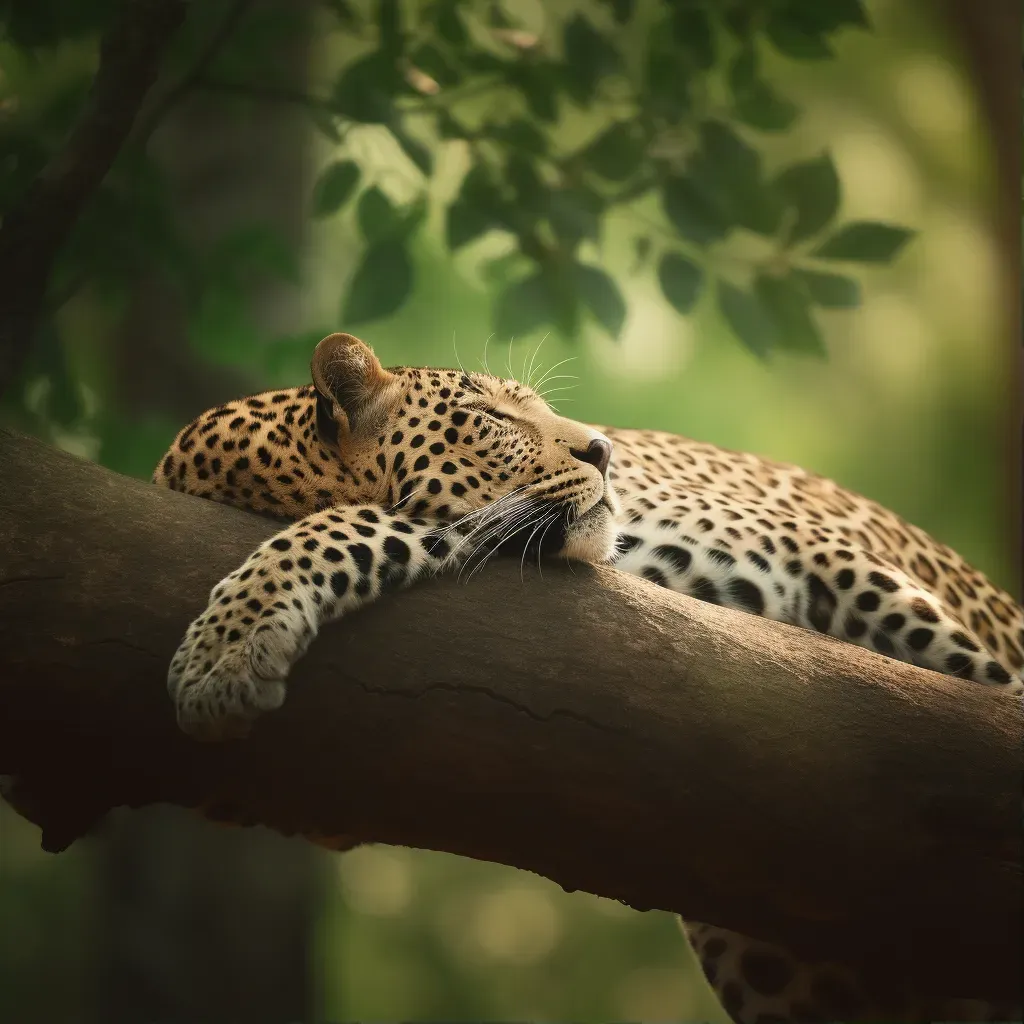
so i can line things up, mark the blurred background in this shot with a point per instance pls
(660, 193)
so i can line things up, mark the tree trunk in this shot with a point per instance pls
(601, 731)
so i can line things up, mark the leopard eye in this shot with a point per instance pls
(497, 415)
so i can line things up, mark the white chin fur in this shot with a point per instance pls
(592, 538)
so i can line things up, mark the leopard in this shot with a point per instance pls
(390, 475)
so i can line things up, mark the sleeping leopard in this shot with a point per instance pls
(389, 475)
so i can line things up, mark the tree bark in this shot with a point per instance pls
(34, 230)
(585, 725)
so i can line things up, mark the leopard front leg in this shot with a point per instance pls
(234, 661)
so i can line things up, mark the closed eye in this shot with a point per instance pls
(497, 415)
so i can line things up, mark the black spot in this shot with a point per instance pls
(364, 531)
(893, 622)
(721, 557)
(458, 489)
(679, 558)
(626, 542)
(435, 546)
(369, 515)
(448, 467)
(396, 437)
(964, 641)
(362, 556)
(960, 664)
(883, 582)
(451, 435)
(845, 579)
(794, 567)
(746, 595)
(460, 417)
(281, 544)
(882, 643)
(437, 448)
(264, 456)
(822, 603)
(417, 440)
(854, 627)
(760, 561)
(233, 635)
(434, 486)
(421, 463)
(396, 549)
(919, 639)
(732, 998)
(996, 673)
(868, 601)
(704, 590)
(649, 572)
(765, 972)
(399, 527)
(332, 554)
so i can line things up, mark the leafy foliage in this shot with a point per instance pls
(466, 74)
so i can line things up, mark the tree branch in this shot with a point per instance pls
(586, 725)
(32, 233)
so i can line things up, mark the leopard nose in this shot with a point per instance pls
(598, 453)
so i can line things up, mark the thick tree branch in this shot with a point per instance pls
(34, 230)
(608, 734)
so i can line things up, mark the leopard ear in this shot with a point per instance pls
(347, 377)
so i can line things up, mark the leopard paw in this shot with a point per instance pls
(234, 661)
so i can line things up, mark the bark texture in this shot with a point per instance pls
(585, 725)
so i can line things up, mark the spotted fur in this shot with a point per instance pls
(388, 475)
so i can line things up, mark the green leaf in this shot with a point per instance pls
(812, 190)
(762, 107)
(666, 77)
(464, 222)
(827, 17)
(390, 27)
(449, 23)
(366, 89)
(694, 212)
(622, 10)
(796, 37)
(728, 170)
(334, 187)
(746, 319)
(864, 242)
(754, 101)
(376, 215)
(524, 307)
(788, 306)
(681, 281)
(522, 135)
(831, 291)
(538, 82)
(588, 57)
(694, 35)
(344, 12)
(575, 214)
(429, 59)
(616, 154)
(601, 295)
(415, 150)
(381, 284)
